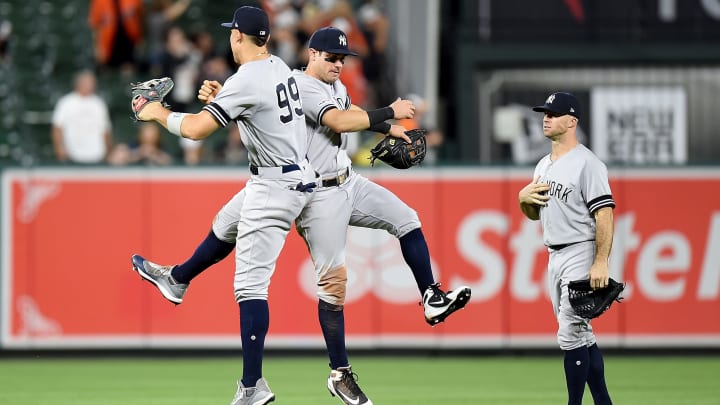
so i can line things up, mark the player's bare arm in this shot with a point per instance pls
(353, 120)
(532, 197)
(604, 228)
(194, 126)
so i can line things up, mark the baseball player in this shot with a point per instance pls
(262, 98)
(343, 198)
(571, 197)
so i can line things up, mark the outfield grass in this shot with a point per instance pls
(386, 380)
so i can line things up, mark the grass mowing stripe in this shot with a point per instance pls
(386, 380)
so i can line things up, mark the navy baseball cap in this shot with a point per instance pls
(560, 103)
(330, 40)
(250, 20)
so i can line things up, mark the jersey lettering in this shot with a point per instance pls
(559, 191)
(284, 101)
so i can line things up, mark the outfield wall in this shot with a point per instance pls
(67, 236)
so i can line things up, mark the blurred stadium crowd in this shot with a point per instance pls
(81, 56)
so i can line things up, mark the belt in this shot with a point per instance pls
(564, 245)
(336, 181)
(285, 169)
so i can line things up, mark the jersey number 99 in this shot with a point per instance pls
(285, 103)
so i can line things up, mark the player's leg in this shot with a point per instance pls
(323, 226)
(268, 211)
(575, 333)
(173, 281)
(596, 377)
(377, 208)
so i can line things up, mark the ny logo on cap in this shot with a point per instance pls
(550, 99)
(342, 40)
(262, 33)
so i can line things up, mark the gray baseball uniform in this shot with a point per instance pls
(263, 98)
(578, 187)
(344, 196)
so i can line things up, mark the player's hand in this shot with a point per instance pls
(208, 90)
(398, 131)
(599, 275)
(403, 109)
(534, 193)
(150, 111)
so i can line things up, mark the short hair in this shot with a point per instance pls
(258, 41)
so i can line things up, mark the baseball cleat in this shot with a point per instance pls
(438, 305)
(342, 383)
(260, 394)
(162, 278)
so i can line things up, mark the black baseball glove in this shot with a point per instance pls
(148, 92)
(590, 303)
(400, 154)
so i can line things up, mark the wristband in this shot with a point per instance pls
(380, 115)
(381, 127)
(174, 121)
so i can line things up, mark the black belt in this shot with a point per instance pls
(285, 169)
(564, 245)
(338, 180)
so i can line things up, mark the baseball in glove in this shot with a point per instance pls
(400, 154)
(589, 303)
(148, 92)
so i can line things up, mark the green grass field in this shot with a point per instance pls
(386, 380)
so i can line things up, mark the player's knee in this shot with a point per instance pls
(332, 286)
(245, 296)
(326, 306)
(411, 223)
(225, 232)
(575, 336)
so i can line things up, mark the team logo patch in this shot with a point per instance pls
(342, 40)
(550, 99)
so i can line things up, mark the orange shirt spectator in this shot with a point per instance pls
(114, 41)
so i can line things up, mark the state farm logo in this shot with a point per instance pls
(658, 266)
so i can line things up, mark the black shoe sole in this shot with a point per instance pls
(459, 303)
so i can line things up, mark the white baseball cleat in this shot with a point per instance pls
(260, 394)
(438, 305)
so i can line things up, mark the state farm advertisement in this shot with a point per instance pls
(68, 234)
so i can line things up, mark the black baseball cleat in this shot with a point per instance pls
(342, 383)
(162, 277)
(438, 305)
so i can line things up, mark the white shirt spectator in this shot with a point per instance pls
(81, 124)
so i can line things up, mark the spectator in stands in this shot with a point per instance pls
(285, 41)
(81, 129)
(148, 150)
(5, 31)
(161, 15)
(214, 66)
(117, 27)
(181, 62)
(375, 26)
(340, 14)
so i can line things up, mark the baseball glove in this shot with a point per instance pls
(148, 92)
(398, 153)
(590, 303)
